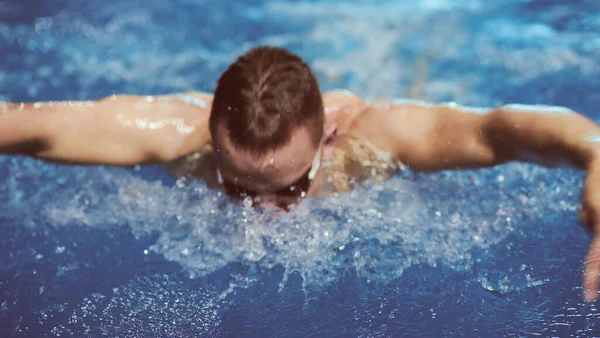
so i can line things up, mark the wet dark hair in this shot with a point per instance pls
(263, 97)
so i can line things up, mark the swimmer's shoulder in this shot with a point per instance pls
(342, 107)
(409, 130)
(187, 110)
(356, 117)
(195, 107)
(397, 127)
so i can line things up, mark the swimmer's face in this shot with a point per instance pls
(277, 178)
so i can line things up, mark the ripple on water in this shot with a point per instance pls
(151, 306)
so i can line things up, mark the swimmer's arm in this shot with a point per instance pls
(446, 137)
(429, 138)
(111, 131)
(549, 136)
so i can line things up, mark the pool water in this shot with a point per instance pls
(119, 252)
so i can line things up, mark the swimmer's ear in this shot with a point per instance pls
(330, 140)
(330, 133)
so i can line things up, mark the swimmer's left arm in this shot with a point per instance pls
(443, 137)
(544, 135)
(552, 137)
(447, 137)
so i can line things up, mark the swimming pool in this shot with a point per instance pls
(101, 251)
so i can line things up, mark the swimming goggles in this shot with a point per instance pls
(298, 189)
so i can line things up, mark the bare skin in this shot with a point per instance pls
(128, 130)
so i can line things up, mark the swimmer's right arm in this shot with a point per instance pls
(119, 130)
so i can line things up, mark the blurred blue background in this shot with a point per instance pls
(100, 251)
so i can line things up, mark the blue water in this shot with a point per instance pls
(100, 251)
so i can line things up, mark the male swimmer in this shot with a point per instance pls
(277, 139)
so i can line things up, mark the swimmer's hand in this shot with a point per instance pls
(590, 214)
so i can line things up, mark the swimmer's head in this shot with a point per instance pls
(267, 125)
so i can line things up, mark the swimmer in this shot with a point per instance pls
(268, 135)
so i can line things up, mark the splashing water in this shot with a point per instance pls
(377, 230)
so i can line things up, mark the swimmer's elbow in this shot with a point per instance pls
(23, 134)
(25, 147)
(495, 132)
(159, 155)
